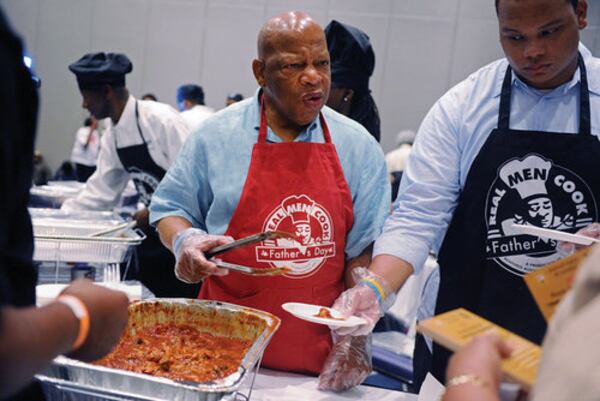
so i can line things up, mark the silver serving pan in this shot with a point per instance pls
(66, 240)
(66, 377)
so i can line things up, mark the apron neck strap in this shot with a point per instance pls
(137, 121)
(585, 124)
(262, 131)
(584, 100)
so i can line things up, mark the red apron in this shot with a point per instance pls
(298, 187)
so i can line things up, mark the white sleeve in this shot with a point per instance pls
(103, 189)
(175, 133)
(429, 189)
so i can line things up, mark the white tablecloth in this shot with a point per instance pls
(282, 386)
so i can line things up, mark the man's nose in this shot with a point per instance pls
(311, 76)
(535, 49)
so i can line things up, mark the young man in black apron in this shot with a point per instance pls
(515, 143)
(141, 143)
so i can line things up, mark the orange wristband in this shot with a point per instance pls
(80, 311)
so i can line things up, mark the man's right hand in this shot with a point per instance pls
(108, 316)
(480, 359)
(191, 265)
(592, 231)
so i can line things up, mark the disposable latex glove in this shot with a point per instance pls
(592, 231)
(348, 363)
(368, 299)
(190, 264)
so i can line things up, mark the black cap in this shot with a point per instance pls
(352, 56)
(97, 69)
(235, 97)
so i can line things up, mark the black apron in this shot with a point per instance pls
(544, 179)
(156, 263)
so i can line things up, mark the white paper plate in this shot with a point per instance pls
(46, 293)
(307, 312)
(554, 234)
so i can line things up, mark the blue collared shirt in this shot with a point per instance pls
(452, 135)
(205, 183)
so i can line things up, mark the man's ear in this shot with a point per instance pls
(187, 104)
(581, 12)
(107, 91)
(258, 68)
(348, 95)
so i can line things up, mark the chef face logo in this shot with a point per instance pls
(314, 243)
(533, 191)
(304, 232)
(145, 184)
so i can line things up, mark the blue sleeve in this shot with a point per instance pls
(371, 198)
(184, 191)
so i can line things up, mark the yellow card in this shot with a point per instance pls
(456, 328)
(550, 283)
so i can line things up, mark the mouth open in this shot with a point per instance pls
(313, 100)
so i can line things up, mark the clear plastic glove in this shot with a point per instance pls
(368, 299)
(592, 231)
(189, 246)
(348, 363)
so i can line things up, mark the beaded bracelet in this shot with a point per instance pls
(376, 287)
(466, 379)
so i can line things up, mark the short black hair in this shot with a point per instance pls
(150, 96)
(573, 3)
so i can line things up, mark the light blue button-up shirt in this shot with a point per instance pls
(451, 136)
(205, 183)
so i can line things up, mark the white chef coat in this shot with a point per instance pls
(164, 131)
(86, 155)
(196, 115)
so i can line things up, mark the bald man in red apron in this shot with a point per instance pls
(294, 186)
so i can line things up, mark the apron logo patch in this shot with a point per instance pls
(312, 225)
(145, 184)
(534, 191)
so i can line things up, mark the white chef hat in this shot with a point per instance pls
(528, 175)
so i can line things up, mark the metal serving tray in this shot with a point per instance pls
(67, 377)
(65, 240)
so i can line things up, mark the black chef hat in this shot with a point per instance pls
(352, 56)
(96, 69)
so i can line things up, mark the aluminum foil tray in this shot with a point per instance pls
(69, 377)
(58, 214)
(65, 240)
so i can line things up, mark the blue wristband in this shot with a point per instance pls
(375, 290)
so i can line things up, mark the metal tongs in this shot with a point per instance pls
(253, 271)
(252, 239)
